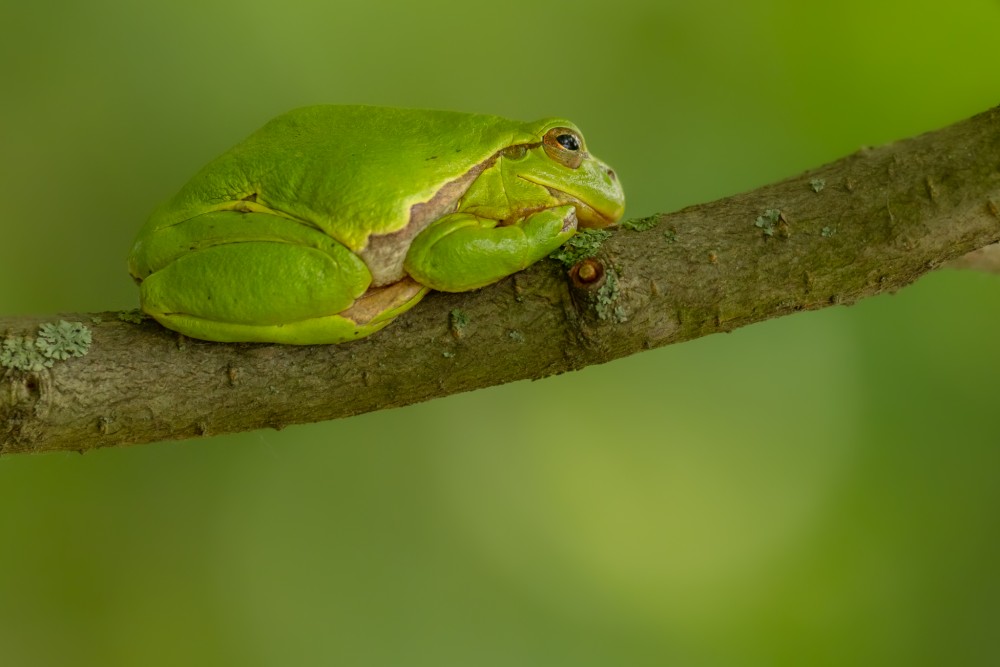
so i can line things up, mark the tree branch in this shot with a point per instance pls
(869, 223)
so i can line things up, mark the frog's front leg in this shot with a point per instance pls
(461, 252)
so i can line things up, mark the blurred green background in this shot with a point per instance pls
(816, 490)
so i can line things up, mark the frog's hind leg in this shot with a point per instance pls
(260, 291)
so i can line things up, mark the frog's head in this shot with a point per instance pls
(559, 170)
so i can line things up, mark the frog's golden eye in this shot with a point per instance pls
(565, 146)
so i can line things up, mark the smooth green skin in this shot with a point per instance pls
(274, 240)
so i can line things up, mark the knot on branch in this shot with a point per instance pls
(597, 292)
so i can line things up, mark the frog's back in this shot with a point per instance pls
(352, 171)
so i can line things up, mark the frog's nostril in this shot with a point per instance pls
(611, 173)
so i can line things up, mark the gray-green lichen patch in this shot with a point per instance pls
(585, 243)
(20, 353)
(134, 316)
(827, 232)
(63, 340)
(606, 303)
(817, 184)
(670, 235)
(768, 222)
(515, 336)
(642, 224)
(55, 341)
(457, 320)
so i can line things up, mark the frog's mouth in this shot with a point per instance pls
(586, 214)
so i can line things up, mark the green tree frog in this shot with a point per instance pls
(329, 221)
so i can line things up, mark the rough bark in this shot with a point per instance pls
(869, 223)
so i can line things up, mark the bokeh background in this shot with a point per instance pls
(816, 490)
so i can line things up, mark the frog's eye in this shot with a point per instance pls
(565, 146)
(569, 142)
